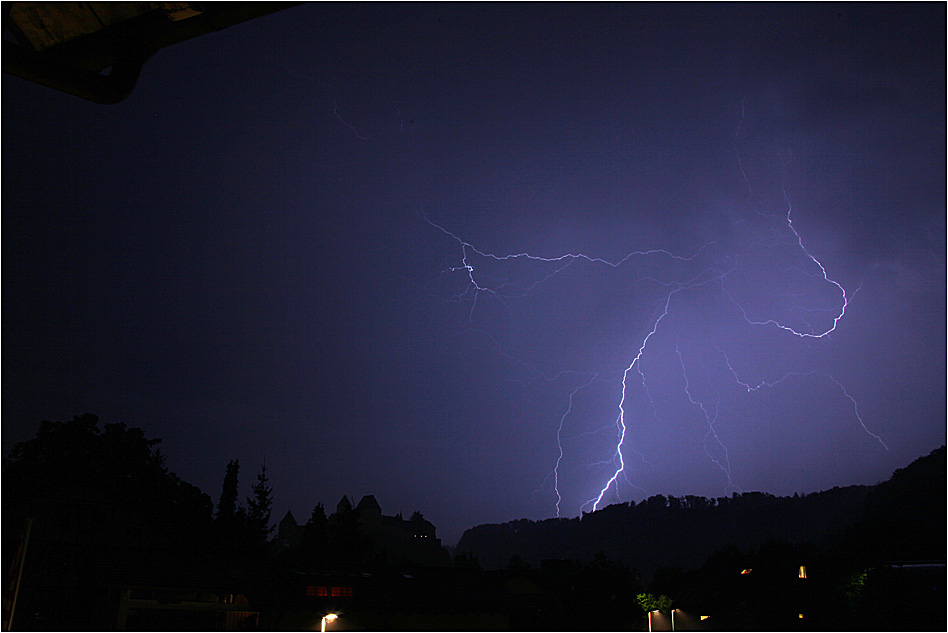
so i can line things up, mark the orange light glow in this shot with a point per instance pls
(329, 617)
(705, 617)
(802, 573)
(746, 571)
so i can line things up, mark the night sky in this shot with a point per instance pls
(295, 242)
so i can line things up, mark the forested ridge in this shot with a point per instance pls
(901, 518)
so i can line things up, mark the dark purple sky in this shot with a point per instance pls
(260, 253)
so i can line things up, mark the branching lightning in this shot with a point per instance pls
(709, 266)
(725, 463)
(792, 374)
(826, 278)
(559, 444)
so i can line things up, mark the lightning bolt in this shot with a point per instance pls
(559, 442)
(845, 300)
(618, 458)
(793, 374)
(740, 163)
(725, 464)
(715, 273)
(856, 411)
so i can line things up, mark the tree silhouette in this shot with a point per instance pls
(317, 516)
(313, 540)
(118, 462)
(227, 505)
(259, 505)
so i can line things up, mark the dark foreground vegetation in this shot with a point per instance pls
(853, 558)
(99, 535)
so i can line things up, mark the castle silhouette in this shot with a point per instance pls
(389, 539)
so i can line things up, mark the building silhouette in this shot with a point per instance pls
(377, 537)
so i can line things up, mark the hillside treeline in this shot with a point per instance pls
(902, 518)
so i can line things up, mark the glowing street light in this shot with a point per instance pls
(650, 619)
(329, 617)
(672, 613)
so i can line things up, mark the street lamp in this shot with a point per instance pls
(650, 619)
(329, 617)
(659, 611)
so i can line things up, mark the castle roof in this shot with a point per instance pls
(369, 503)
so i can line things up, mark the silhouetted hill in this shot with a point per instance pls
(906, 513)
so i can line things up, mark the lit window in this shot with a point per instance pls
(337, 592)
(311, 590)
(802, 574)
(321, 591)
(347, 592)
